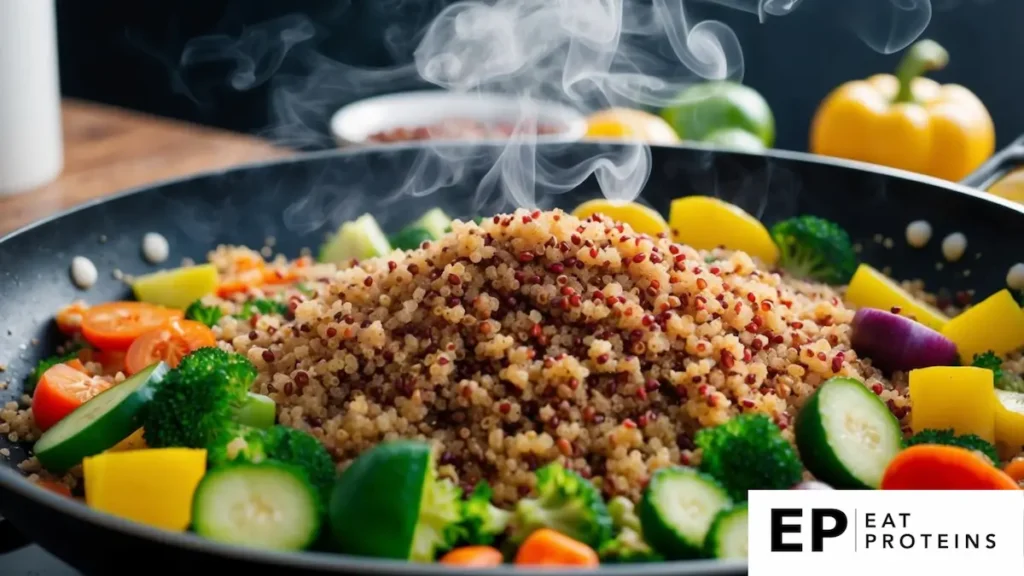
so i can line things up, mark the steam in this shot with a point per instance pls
(589, 54)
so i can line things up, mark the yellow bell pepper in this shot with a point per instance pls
(630, 125)
(153, 487)
(907, 121)
(640, 218)
(136, 441)
(704, 223)
(869, 288)
(958, 397)
(995, 324)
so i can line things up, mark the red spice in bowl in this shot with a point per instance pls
(460, 129)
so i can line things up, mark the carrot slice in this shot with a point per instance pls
(546, 547)
(477, 556)
(115, 325)
(60, 391)
(938, 467)
(169, 343)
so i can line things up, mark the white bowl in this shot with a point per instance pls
(357, 122)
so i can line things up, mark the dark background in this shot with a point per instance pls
(130, 53)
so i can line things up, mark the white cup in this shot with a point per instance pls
(31, 143)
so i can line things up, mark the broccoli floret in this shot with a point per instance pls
(565, 502)
(1003, 380)
(281, 443)
(197, 401)
(812, 248)
(439, 527)
(46, 363)
(628, 547)
(200, 312)
(949, 438)
(237, 443)
(261, 306)
(748, 453)
(482, 521)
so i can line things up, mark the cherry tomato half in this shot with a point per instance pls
(115, 325)
(169, 343)
(60, 391)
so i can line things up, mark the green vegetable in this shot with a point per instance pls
(199, 399)
(748, 453)
(709, 107)
(812, 248)
(389, 503)
(677, 510)
(728, 535)
(829, 449)
(199, 312)
(100, 423)
(628, 545)
(482, 521)
(261, 306)
(623, 513)
(280, 443)
(258, 411)
(410, 238)
(356, 240)
(304, 288)
(565, 502)
(434, 221)
(1003, 380)
(950, 438)
(46, 363)
(269, 505)
(735, 139)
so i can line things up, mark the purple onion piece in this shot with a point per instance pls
(894, 342)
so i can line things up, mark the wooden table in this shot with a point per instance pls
(107, 150)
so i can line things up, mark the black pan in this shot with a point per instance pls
(299, 200)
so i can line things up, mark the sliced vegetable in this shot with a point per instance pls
(869, 288)
(933, 467)
(404, 511)
(677, 509)
(748, 453)
(60, 391)
(950, 438)
(1010, 420)
(1015, 469)
(100, 423)
(434, 221)
(546, 547)
(115, 325)
(410, 238)
(153, 487)
(257, 410)
(69, 318)
(47, 363)
(953, 397)
(359, 240)
(176, 288)
(996, 324)
(727, 537)
(111, 361)
(704, 223)
(475, 556)
(640, 218)
(812, 248)
(895, 342)
(169, 343)
(847, 435)
(55, 487)
(269, 505)
(137, 441)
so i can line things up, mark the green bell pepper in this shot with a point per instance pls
(713, 111)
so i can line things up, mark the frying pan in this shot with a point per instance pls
(299, 200)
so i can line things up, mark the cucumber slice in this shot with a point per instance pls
(389, 504)
(435, 221)
(728, 535)
(677, 510)
(411, 238)
(359, 239)
(267, 505)
(847, 435)
(101, 423)
(258, 411)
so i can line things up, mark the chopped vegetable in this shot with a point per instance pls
(894, 342)
(111, 361)
(410, 238)
(1009, 421)
(154, 487)
(176, 288)
(100, 423)
(389, 503)
(482, 521)
(356, 240)
(208, 315)
(546, 547)
(933, 467)
(269, 505)
(1004, 380)
(950, 438)
(435, 222)
(136, 441)
(995, 324)
(847, 435)
(55, 487)
(953, 397)
(705, 223)
(565, 502)
(628, 545)
(261, 306)
(258, 411)
(640, 218)
(748, 453)
(115, 325)
(169, 343)
(1015, 469)
(677, 510)
(727, 537)
(869, 288)
(812, 248)
(60, 391)
(45, 364)
(69, 318)
(474, 556)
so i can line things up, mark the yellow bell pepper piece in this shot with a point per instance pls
(152, 487)
(703, 222)
(958, 397)
(631, 125)
(1009, 422)
(869, 288)
(996, 324)
(907, 121)
(134, 442)
(639, 217)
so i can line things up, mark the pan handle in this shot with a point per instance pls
(10, 538)
(997, 166)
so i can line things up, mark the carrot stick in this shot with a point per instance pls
(933, 467)
(545, 547)
(476, 556)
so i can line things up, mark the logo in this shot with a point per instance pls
(836, 532)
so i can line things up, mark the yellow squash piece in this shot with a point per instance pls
(134, 442)
(1009, 422)
(958, 397)
(639, 217)
(704, 223)
(176, 288)
(869, 288)
(152, 487)
(996, 324)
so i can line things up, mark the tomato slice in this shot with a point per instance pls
(69, 318)
(169, 343)
(61, 390)
(112, 361)
(53, 486)
(115, 325)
